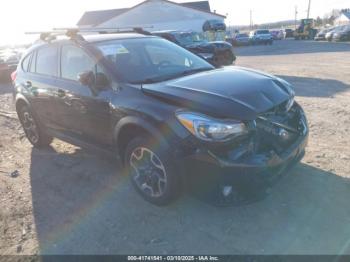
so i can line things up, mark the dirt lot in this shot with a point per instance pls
(66, 200)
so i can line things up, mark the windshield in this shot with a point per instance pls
(262, 32)
(189, 38)
(242, 35)
(150, 60)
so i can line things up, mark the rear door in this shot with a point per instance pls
(40, 82)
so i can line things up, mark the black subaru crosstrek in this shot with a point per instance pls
(174, 120)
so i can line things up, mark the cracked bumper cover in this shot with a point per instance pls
(204, 168)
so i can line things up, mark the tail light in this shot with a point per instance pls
(14, 75)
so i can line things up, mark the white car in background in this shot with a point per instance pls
(261, 36)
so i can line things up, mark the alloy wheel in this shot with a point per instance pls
(30, 127)
(149, 172)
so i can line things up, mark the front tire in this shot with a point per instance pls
(32, 129)
(152, 171)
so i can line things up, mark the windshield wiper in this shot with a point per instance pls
(186, 73)
(193, 71)
(169, 77)
(189, 72)
(145, 81)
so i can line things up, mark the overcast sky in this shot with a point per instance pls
(18, 16)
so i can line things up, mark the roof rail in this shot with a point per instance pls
(107, 30)
(48, 36)
(75, 33)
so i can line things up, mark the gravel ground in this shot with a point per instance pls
(66, 200)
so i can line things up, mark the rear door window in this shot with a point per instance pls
(31, 68)
(25, 63)
(46, 61)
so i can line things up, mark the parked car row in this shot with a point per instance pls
(256, 37)
(339, 33)
(8, 63)
(321, 35)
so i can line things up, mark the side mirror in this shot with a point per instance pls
(101, 81)
(87, 78)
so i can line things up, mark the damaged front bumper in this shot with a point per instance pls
(226, 179)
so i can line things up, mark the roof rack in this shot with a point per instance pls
(104, 30)
(76, 33)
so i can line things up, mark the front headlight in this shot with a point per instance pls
(209, 129)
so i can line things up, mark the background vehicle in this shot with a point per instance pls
(277, 34)
(289, 33)
(342, 35)
(329, 35)
(214, 25)
(170, 116)
(322, 34)
(305, 30)
(218, 53)
(241, 39)
(262, 36)
(8, 63)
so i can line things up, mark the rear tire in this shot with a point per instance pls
(152, 170)
(33, 130)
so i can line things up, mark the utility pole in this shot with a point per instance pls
(308, 10)
(296, 15)
(251, 19)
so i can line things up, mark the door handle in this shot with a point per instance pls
(28, 84)
(61, 93)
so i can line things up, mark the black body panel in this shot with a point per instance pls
(85, 115)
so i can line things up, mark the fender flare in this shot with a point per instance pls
(20, 97)
(149, 128)
(138, 121)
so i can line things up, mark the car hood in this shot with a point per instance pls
(230, 92)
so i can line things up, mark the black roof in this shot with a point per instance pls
(93, 18)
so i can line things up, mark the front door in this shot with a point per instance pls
(84, 113)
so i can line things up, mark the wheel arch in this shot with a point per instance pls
(131, 126)
(21, 100)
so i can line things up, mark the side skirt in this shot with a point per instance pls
(101, 150)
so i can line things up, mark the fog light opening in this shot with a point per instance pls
(227, 190)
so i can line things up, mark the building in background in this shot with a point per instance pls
(344, 18)
(154, 14)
